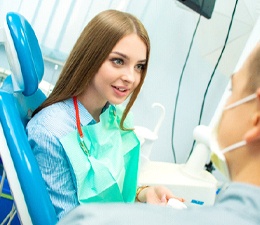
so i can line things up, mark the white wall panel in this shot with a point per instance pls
(170, 28)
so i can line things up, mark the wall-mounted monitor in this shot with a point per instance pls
(202, 7)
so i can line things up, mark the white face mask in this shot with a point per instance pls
(217, 154)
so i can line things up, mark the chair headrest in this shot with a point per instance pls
(24, 54)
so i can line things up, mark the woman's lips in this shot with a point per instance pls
(121, 91)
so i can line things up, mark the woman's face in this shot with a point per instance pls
(120, 73)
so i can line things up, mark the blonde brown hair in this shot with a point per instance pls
(89, 52)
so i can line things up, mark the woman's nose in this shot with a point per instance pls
(129, 75)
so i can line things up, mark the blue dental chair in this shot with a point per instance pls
(19, 96)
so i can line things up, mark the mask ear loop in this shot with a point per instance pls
(82, 143)
(233, 147)
(241, 101)
(233, 105)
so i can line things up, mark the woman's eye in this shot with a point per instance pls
(117, 61)
(140, 67)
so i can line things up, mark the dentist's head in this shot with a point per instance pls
(235, 141)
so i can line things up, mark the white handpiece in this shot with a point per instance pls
(175, 203)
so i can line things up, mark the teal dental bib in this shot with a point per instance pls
(109, 173)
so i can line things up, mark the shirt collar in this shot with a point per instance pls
(85, 117)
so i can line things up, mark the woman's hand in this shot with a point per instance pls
(156, 195)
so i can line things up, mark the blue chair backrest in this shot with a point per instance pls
(19, 97)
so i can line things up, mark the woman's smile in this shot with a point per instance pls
(121, 91)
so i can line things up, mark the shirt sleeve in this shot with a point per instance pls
(55, 168)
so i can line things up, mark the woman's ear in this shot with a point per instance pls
(254, 133)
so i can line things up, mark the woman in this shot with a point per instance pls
(83, 142)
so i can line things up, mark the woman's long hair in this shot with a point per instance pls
(89, 52)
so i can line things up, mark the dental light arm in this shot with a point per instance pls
(201, 153)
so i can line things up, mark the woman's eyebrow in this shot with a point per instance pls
(121, 54)
(126, 57)
(142, 61)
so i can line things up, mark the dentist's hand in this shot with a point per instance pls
(155, 195)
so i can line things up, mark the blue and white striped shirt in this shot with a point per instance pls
(44, 131)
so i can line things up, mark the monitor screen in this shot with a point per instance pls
(202, 7)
